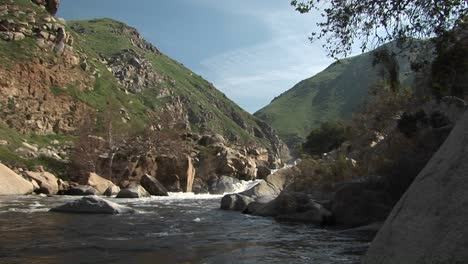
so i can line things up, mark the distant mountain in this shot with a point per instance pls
(333, 94)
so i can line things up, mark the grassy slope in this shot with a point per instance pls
(101, 39)
(332, 94)
(187, 84)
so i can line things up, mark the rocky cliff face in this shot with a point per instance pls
(55, 74)
(428, 225)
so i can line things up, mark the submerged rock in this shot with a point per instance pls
(13, 184)
(92, 205)
(136, 191)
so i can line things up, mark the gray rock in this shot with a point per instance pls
(428, 225)
(81, 190)
(223, 184)
(199, 186)
(291, 206)
(235, 202)
(112, 190)
(153, 186)
(92, 205)
(272, 185)
(136, 191)
(263, 172)
(361, 203)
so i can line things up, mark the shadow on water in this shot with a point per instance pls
(165, 230)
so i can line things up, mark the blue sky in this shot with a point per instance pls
(252, 50)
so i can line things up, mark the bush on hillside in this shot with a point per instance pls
(327, 137)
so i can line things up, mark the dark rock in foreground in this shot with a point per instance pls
(92, 205)
(428, 225)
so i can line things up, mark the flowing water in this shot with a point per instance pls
(181, 228)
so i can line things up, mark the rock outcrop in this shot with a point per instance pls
(50, 5)
(92, 205)
(97, 182)
(428, 225)
(153, 186)
(175, 174)
(47, 182)
(13, 184)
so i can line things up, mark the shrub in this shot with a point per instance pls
(325, 138)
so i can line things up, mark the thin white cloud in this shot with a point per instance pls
(252, 76)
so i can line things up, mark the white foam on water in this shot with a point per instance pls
(244, 185)
(28, 211)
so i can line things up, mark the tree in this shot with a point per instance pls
(327, 137)
(375, 22)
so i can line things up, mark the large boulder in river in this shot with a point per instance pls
(48, 183)
(235, 202)
(429, 223)
(92, 205)
(272, 185)
(13, 184)
(223, 184)
(291, 206)
(153, 186)
(112, 190)
(135, 191)
(97, 182)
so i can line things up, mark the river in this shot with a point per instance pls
(181, 228)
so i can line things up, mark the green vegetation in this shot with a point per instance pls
(334, 94)
(326, 138)
(109, 37)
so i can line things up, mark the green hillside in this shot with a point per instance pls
(333, 94)
(56, 73)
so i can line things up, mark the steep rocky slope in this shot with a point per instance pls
(56, 74)
(333, 94)
(428, 225)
